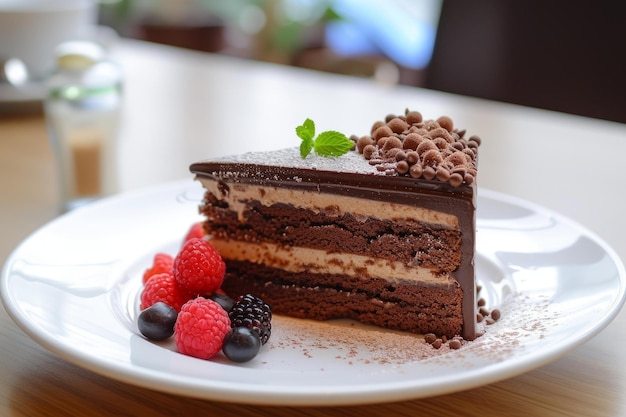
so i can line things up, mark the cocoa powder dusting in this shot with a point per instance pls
(522, 323)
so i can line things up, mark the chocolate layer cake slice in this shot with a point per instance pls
(383, 234)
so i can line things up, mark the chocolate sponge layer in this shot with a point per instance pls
(398, 306)
(410, 242)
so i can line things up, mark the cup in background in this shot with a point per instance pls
(30, 30)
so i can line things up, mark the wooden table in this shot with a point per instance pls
(182, 106)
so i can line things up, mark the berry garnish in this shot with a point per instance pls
(199, 268)
(200, 328)
(157, 321)
(241, 344)
(222, 299)
(252, 312)
(162, 263)
(163, 287)
(195, 231)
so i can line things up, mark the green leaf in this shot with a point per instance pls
(331, 143)
(305, 147)
(306, 131)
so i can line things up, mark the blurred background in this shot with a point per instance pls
(563, 55)
(558, 55)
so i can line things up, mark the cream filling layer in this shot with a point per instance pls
(332, 204)
(298, 259)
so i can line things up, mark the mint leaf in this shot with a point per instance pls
(306, 131)
(331, 143)
(305, 147)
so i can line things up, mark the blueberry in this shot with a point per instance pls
(241, 344)
(157, 321)
(225, 301)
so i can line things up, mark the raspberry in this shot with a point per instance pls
(196, 230)
(199, 268)
(162, 263)
(200, 328)
(252, 312)
(163, 287)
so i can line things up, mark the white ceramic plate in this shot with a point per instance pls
(73, 287)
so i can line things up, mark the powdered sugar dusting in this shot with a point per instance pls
(290, 157)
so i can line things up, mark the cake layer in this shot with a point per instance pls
(237, 197)
(425, 309)
(315, 261)
(408, 242)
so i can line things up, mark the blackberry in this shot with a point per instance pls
(252, 312)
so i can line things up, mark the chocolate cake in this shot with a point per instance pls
(384, 234)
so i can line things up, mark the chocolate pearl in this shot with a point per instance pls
(442, 174)
(390, 155)
(436, 344)
(457, 146)
(368, 151)
(481, 302)
(430, 337)
(392, 142)
(412, 158)
(402, 167)
(401, 155)
(445, 122)
(426, 145)
(476, 139)
(455, 344)
(397, 125)
(479, 318)
(441, 143)
(381, 142)
(390, 117)
(411, 141)
(495, 314)
(461, 132)
(382, 132)
(472, 144)
(469, 178)
(431, 158)
(362, 142)
(440, 132)
(457, 158)
(483, 311)
(376, 125)
(469, 152)
(429, 173)
(413, 117)
(416, 171)
(455, 179)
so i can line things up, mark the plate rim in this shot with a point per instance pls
(301, 395)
